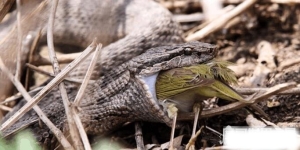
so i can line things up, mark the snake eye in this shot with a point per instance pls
(211, 50)
(187, 51)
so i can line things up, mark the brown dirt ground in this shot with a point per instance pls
(278, 24)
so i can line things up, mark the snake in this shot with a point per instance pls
(125, 28)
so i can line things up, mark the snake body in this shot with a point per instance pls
(126, 28)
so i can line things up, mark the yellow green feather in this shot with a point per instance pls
(209, 80)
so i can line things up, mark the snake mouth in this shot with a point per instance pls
(148, 83)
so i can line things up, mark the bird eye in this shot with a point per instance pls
(188, 51)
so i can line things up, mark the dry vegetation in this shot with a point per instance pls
(262, 38)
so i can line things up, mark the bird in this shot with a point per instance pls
(187, 85)
(179, 89)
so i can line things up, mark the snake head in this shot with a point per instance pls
(169, 57)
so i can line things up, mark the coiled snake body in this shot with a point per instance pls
(125, 27)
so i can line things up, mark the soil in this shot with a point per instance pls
(276, 24)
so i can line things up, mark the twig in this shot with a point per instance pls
(221, 21)
(40, 113)
(20, 39)
(270, 123)
(139, 136)
(197, 109)
(52, 56)
(288, 63)
(248, 91)
(5, 108)
(238, 105)
(81, 130)
(171, 143)
(67, 58)
(288, 124)
(197, 113)
(63, 58)
(38, 70)
(254, 122)
(211, 9)
(265, 64)
(30, 56)
(191, 143)
(202, 25)
(214, 131)
(88, 75)
(48, 87)
(79, 96)
(19, 95)
(4, 8)
(188, 17)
